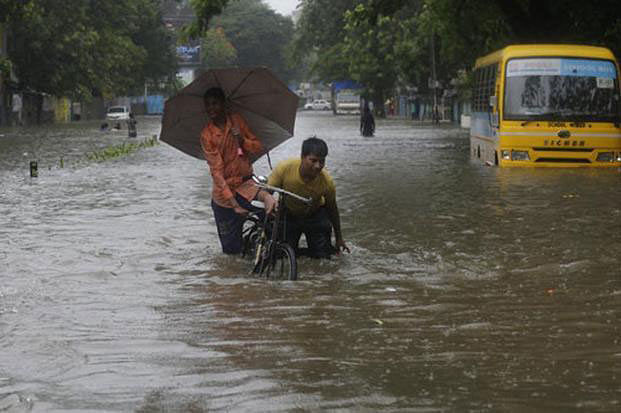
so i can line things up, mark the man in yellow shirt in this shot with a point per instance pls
(306, 177)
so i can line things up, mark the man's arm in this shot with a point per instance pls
(335, 220)
(333, 214)
(216, 167)
(248, 141)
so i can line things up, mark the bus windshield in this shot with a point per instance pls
(561, 89)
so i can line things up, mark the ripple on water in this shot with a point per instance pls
(468, 288)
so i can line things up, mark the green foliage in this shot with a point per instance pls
(9, 8)
(460, 43)
(106, 154)
(158, 43)
(120, 150)
(217, 49)
(388, 43)
(566, 21)
(258, 34)
(5, 67)
(467, 29)
(319, 38)
(78, 49)
(205, 10)
(369, 47)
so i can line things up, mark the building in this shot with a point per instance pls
(176, 15)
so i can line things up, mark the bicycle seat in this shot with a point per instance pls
(257, 204)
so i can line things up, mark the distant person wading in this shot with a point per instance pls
(131, 126)
(367, 122)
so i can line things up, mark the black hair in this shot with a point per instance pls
(314, 146)
(215, 92)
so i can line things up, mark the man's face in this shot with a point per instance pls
(312, 165)
(214, 107)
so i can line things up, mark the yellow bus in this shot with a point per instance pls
(546, 105)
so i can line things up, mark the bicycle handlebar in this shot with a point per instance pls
(264, 185)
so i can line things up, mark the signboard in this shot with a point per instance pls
(189, 54)
(348, 95)
(562, 67)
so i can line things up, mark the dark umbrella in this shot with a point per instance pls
(266, 103)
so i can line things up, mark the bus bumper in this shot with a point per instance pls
(545, 157)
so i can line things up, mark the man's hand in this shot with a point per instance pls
(268, 200)
(240, 140)
(341, 246)
(237, 134)
(239, 210)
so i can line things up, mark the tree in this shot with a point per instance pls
(69, 50)
(470, 28)
(258, 34)
(158, 42)
(205, 10)
(217, 49)
(369, 47)
(461, 30)
(561, 20)
(320, 35)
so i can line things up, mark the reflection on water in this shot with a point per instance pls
(468, 287)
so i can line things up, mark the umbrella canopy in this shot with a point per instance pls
(265, 102)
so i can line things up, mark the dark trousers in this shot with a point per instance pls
(317, 229)
(230, 225)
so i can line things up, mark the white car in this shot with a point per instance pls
(117, 113)
(319, 104)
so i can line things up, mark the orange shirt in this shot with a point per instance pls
(226, 165)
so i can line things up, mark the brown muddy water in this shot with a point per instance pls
(468, 288)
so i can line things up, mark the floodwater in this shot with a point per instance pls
(468, 288)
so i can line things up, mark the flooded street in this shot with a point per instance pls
(468, 288)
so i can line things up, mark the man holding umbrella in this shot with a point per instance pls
(259, 115)
(227, 143)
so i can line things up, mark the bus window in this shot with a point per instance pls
(558, 89)
(484, 87)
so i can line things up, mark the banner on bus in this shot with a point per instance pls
(561, 67)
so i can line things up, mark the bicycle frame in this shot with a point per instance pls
(271, 248)
(278, 232)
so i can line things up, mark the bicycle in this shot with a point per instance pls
(263, 237)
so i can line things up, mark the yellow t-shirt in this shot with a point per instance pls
(286, 175)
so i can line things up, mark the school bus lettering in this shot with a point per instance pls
(561, 142)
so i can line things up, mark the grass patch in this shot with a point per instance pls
(123, 149)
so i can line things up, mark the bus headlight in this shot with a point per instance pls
(619, 157)
(520, 156)
(505, 154)
(605, 157)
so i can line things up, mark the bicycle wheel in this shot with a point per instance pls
(284, 264)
